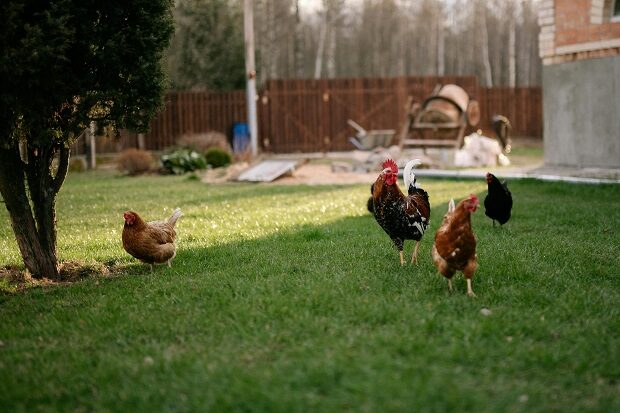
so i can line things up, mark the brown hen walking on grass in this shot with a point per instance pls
(150, 242)
(455, 243)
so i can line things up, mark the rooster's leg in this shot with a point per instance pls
(450, 284)
(151, 265)
(398, 243)
(414, 257)
(169, 264)
(470, 292)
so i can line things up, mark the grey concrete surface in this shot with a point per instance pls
(581, 105)
(555, 174)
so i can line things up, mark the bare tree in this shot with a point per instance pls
(511, 15)
(484, 44)
(318, 63)
(495, 40)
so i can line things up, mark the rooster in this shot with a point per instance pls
(455, 243)
(369, 203)
(401, 216)
(498, 202)
(150, 242)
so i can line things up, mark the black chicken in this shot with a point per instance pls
(498, 202)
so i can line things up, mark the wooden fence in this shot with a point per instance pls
(521, 105)
(183, 113)
(311, 115)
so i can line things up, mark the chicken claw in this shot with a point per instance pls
(470, 292)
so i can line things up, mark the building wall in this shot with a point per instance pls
(577, 29)
(582, 113)
(580, 47)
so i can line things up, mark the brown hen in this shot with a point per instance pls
(455, 243)
(150, 242)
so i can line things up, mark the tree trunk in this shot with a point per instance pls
(484, 43)
(35, 233)
(298, 53)
(441, 62)
(331, 52)
(512, 46)
(318, 63)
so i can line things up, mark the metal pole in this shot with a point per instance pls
(248, 28)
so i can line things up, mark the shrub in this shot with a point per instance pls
(77, 165)
(183, 160)
(218, 158)
(134, 161)
(202, 142)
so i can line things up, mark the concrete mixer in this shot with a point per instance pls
(441, 120)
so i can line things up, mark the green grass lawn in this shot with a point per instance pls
(291, 298)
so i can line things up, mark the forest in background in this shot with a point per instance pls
(494, 40)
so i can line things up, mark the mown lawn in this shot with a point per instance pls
(291, 298)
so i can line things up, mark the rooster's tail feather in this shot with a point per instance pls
(175, 215)
(408, 175)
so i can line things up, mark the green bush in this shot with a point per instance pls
(183, 160)
(77, 165)
(217, 157)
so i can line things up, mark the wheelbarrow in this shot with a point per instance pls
(365, 140)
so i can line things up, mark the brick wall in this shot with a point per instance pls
(577, 30)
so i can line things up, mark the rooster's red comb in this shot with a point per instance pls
(390, 164)
(473, 197)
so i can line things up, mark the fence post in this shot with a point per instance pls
(141, 144)
(91, 150)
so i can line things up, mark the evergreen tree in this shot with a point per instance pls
(66, 63)
(207, 50)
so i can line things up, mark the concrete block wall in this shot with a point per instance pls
(582, 113)
(580, 47)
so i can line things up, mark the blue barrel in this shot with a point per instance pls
(241, 137)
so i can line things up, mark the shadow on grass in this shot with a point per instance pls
(349, 247)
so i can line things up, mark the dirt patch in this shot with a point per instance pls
(14, 279)
(362, 167)
(221, 175)
(309, 173)
(317, 174)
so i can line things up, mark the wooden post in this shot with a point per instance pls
(248, 28)
(91, 153)
(141, 144)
